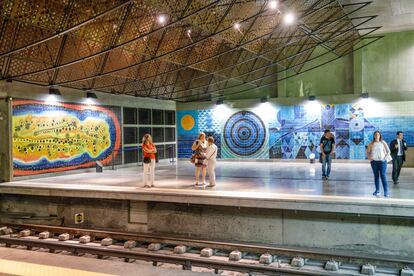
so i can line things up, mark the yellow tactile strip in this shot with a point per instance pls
(29, 269)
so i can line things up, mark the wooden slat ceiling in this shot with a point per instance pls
(121, 47)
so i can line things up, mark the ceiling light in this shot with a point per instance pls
(189, 31)
(312, 98)
(237, 26)
(91, 95)
(365, 95)
(289, 18)
(273, 4)
(162, 18)
(54, 91)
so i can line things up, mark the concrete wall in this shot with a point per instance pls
(366, 233)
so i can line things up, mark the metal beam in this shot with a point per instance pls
(273, 82)
(120, 45)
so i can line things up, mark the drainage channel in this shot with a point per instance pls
(240, 257)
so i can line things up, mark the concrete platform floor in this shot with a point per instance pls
(293, 178)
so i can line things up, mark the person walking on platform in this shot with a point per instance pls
(327, 147)
(379, 154)
(211, 154)
(149, 150)
(200, 147)
(398, 147)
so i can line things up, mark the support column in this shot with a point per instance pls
(6, 160)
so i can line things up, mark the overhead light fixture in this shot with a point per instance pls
(237, 26)
(312, 98)
(188, 31)
(289, 18)
(273, 5)
(54, 91)
(219, 101)
(91, 95)
(264, 99)
(365, 95)
(162, 19)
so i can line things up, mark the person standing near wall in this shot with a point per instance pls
(327, 147)
(398, 147)
(149, 150)
(200, 147)
(211, 154)
(379, 154)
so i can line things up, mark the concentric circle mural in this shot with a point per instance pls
(244, 133)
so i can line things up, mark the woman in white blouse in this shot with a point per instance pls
(211, 156)
(378, 154)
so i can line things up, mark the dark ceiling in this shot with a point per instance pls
(203, 49)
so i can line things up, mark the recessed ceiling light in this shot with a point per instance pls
(289, 18)
(189, 31)
(237, 26)
(273, 4)
(162, 18)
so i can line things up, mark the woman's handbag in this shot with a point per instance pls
(193, 158)
(146, 160)
(388, 157)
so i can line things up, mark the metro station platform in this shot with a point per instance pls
(282, 203)
(275, 185)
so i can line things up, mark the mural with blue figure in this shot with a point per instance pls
(294, 132)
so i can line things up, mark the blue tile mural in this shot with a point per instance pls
(292, 132)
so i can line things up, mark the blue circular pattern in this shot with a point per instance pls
(244, 133)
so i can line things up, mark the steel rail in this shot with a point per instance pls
(185, 261)
(321, 254)
(314, 67)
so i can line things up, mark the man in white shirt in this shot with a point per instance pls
(398, 147)
(211, 156)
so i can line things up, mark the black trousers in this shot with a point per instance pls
(397, 163)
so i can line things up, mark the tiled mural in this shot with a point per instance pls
(270, 131)
(51, 137)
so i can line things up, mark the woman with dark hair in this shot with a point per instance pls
(200, 147)
(378, 154)
(149, 150)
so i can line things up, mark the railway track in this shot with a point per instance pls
(241, 257)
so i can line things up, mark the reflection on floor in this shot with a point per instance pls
(251, 177)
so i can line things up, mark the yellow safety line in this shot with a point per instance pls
(29, 269)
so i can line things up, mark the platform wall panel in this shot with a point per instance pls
(272, 131)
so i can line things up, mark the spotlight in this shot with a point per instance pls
(289, 18)
(273, 4)
(162, 18)
(365, 95)
(312, 98)
(91, 95)
(237, 26)
(54, 91)
(189, 32)
(219, 101)
(264, 99)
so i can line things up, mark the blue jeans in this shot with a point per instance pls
(379, 168)
(326, 164)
